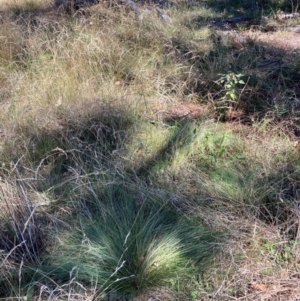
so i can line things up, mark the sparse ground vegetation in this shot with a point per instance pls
(146, 160)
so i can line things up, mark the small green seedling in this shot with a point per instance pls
(230, 98)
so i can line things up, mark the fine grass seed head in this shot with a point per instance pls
(24, 233)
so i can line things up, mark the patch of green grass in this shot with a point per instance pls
(130, 245)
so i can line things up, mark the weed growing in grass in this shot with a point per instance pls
(230, 99)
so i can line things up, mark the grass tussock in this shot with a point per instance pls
(142, 159)
(150, 246)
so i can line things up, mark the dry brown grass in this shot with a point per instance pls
(97, 99)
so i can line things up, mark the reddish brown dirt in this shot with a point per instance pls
(188, 110)
(284, 40)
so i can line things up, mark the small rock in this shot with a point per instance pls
(295, 29)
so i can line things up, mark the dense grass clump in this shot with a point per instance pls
(130, 245)
(120, 242)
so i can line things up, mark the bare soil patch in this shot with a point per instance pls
(283, 39)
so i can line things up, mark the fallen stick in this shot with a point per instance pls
(287, 16)
(163, 15)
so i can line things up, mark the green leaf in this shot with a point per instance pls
(194, 294)
(29, 295)
(232, 95)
